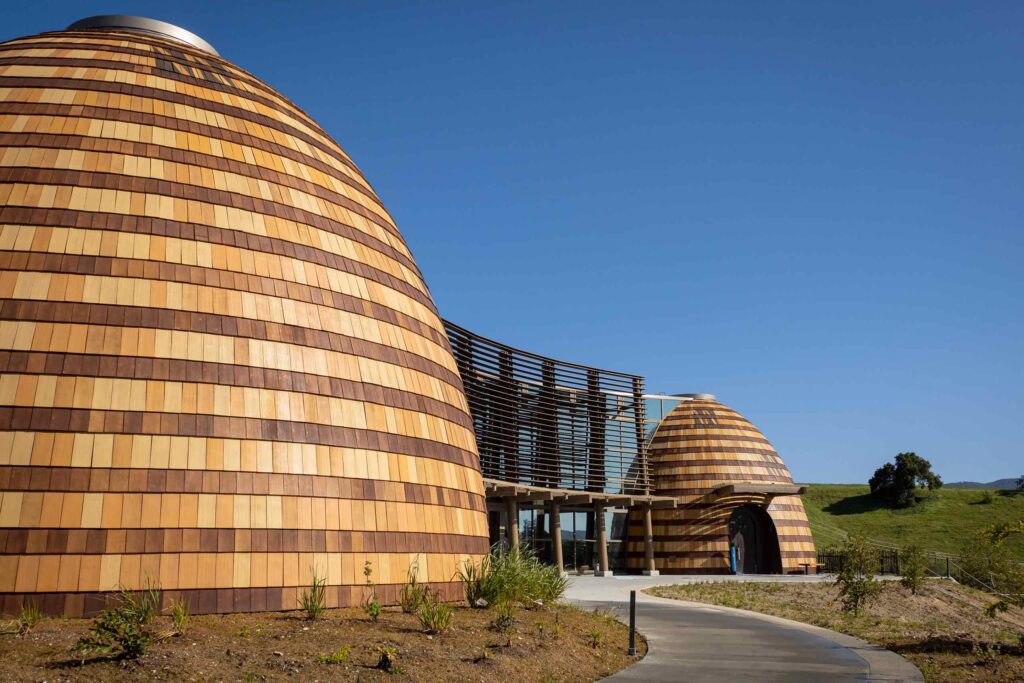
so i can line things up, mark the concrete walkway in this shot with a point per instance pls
(695, 642)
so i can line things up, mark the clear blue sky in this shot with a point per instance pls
(813, 210)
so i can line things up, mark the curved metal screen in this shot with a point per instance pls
(544, 422)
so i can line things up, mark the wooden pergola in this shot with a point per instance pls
(553, 499)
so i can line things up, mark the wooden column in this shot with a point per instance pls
(602, 540)
(649, 568)
(556, 535)
(512, 522)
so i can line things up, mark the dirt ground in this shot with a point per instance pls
(943, 629)
(555, 644)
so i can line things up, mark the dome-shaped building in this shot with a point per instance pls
(220, 368)
(738, 508)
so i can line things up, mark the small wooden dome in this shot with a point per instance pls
(715, 461)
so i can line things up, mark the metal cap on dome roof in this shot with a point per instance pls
(697, 397)
(145, 25)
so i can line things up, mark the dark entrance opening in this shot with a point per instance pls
(753, 538)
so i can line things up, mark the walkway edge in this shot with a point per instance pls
(884, 665)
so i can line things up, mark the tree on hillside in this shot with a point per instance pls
(988, 564)
(912, 567)
(896, 484)
(856, 577)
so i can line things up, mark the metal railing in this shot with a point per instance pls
(831, 561)
(545, 422)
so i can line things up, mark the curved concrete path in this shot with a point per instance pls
(695, 642)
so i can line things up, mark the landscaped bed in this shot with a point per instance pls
(943, 630)
(557, 643)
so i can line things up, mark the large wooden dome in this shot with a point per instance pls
(715, 461)
(220, 367)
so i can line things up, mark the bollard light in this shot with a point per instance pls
(632, 623)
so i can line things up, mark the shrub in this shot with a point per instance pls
(986, 498)
(338, 657)
(912, 566)
(412, 594)
(371, 605)
(856, 577)
(180, 614)
(314, 600)
(512, 576)
(123, 631)
(435, 615)
(989, 564)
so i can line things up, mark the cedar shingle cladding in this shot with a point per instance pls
(219, 364)
(700, 446)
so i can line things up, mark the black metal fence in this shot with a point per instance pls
(831, 561)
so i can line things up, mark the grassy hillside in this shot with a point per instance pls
(942, 521)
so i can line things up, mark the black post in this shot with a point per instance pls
(632, 623)
(947, 567)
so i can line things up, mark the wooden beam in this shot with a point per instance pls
(576, 498)
(762, 489)
(535, 495)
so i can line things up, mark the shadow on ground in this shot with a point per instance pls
(941, 645)
(854, 505)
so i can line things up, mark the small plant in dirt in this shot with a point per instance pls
(388, 660)
(856, 578)
(27, 619)
(435, 615)
(412, 594)
(340, 656)
(515, 575)
(314, 599)
(504, 618)
(912, 565)
(123, 631)
(994, 608)
(181, 612)
(477, 581)
(371, 605)
(595, 639)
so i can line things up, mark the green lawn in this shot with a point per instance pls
(941, 521)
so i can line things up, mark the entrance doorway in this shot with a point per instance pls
(754, 541)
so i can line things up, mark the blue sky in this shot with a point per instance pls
(813, 210)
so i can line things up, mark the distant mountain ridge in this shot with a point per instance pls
(997, 484)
